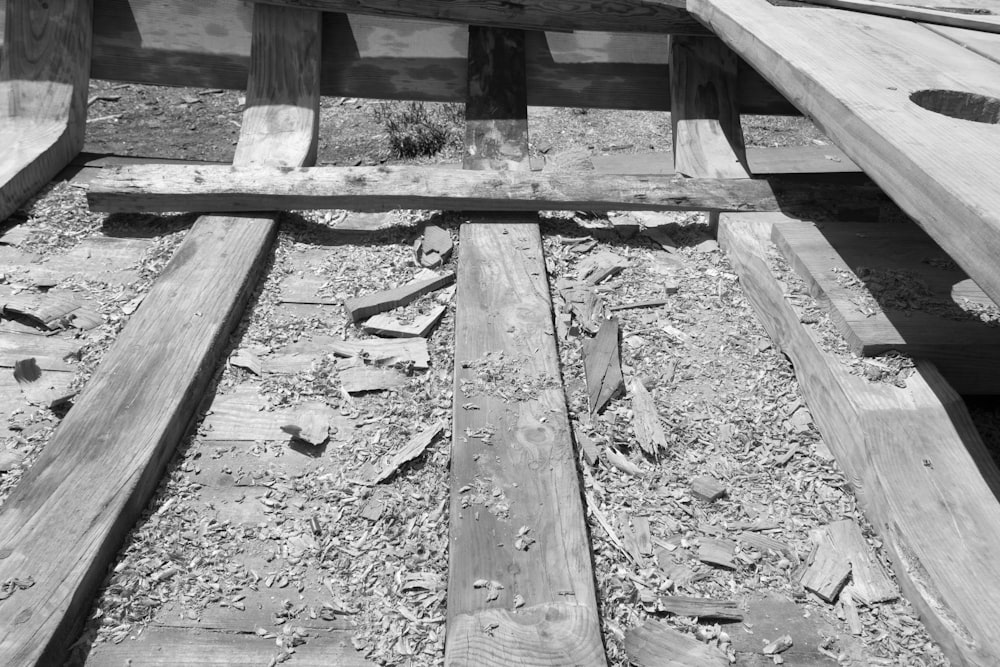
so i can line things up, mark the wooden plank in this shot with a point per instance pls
(602, 366)
(516, 517)
(983, 43)
(362, 307)
(922, 14)
(206, 43)
(914, 458)
(663, 16)
(762, 161)
(939, 169)
(218, 188)
(67, 517)
(704, 117)
(160, 647)
(655, 644)
(43, 93)
(905, 298)
(50, 352)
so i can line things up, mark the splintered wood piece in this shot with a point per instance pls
(362, 307)
(390, 327)
(586, 305)
(40, 388)
(646, 420)
(643, 537)
(869, 581)
(435, 247)
(53, 311)
(654, 644)
(217, 189)
(587, 447)
(766, 543)
(602, 366)
(622, 462)
(243, 416)
(311, 423)
(247, 360)
(602, 265)
(723, 610)
(651, 303)
(717, 552)
(707, 488)
(50, 352)
(360, 378)
(828, 569)
(386, 352)
(411, 450)
(111, 448)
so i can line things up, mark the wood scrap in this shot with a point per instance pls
(51, 353)
(382, 352)
(869, 581)
(602, 366)
(707, 488)
(600, 266)
(306, 288)
(311, 424)
(661, 238)
(779, 645)
(246, 359)
(827, 570)
(654, 644)
(621, 462)
(38, 387)
(766, 543)
(717, 552)
(357, 377)
(587, 447)
(649, 303)
(586, 305)
(850, 611)
(646, 420)
(411, 450)
(362, 307)
(434, 248)
(681, 605)
(643, 535)
(52, 311)
(390, 327)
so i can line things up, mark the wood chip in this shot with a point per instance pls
(311, 424)
(37, 387)
(602, 366)
(621, 462)
(246, 359)
(380, 351)
(600, 266)
(650, 303)
(362, 307)
(723, 610)
(827, 570)
(390, 327)
(870, 582)
(360, 377)
(53, 311)
(654, 644)
(646, 420)
(435, 247)
(779, 645)
(586, 305)
(411, 450)
(716, 552)
(587, 447)
(707, 488)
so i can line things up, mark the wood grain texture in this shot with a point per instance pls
(656, 16)
(913, 457)
(931, 326)
(922, 14)
(67, 517)
(362, 307)
(705, 117)
(43, 93)
(939, 169)
(221, 188)
(517, 518)
(206, 43)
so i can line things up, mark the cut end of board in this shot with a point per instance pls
(543, 634)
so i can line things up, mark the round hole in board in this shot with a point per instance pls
(959, 104)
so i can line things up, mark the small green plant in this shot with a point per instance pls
(414, 130)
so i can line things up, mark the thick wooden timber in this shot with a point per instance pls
(883, 91)
(656, 16)
(206, 43)
(67, 517)
(915, 460)
(889, 287)
(43, 93)
(520, 581)
(223, 188)
(922, 14)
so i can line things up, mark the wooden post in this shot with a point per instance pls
(520, 581)
(704, 115)
(43, 93)
(64, 522)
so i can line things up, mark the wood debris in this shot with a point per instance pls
(827, 570)
(52, 311)
(654, 644)
(391, 327)
(587, 447)
(586, 306)
(717, 552)
(600, 266)
(842, 551)
(779, 645)
(661, 237)
(682, 605)
(246, 359)
(435, 247)
(37, 387)
(602, 365)
(356, 376)
(411, 450)
(311, 424)
(362, 307)
(382, 352)
(621, 462)
(707, 488)
(649, 303)
(646, 420)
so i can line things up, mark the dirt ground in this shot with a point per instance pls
(234, 523)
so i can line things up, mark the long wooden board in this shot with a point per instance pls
(221, 188)
(655, 16)
(67, 517)
(919, 468)
(206, 43)
(520, 580)
(43, 93)
(858, 88)
(922, 14)
(905, 298)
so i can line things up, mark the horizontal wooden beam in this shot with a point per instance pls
(653, 16)
(223, 188)
(923, 14)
